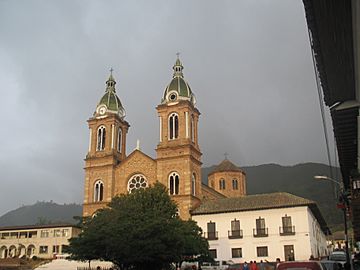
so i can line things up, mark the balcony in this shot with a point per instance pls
(235, 234)
(211, 235)
(288, 230)
(260, 232)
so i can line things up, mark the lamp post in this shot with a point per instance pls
(344, 200)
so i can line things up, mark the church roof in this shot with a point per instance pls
(178, 88)
(226, 166)
(259, 202)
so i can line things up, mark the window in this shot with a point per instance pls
(44, 233)
(213, 253)
(101, 135)
(174, 183)
(260, 230)
(236, 253)
(173, 126)
(136, 182)
(235, 229)
(222, 184)
(43, 249)
(192, 128)
(32, 234)
(65, 232)
(119, 140)
(193, 184)
(235, 184)
(56, 249)
(262, 251)
(211, 231)
(356, 184)
(57, 233)
(98, 191)
(287, 227)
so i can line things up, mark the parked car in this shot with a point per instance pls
(332, 265)
(235, 266)
(338, 256)
(301, 265)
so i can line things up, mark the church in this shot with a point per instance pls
(238, 227)
(110, 171)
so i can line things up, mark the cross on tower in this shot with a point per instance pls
(177, 54)
(226, 155)
(111, 70)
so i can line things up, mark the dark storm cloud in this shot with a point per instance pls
(248, 62)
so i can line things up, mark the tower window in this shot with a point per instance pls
(98, 191)
(101, 135)
(173, 126)
(119, 140)
(192, 129)
(235, 184)
(222, 184)
(174, 183)
(193, 184)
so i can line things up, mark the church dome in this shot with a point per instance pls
(178, 88)
(226, 166)
(110, 102)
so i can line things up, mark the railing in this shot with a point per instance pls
(211, 235)
(235, 234)
(287, 230)
(260, 232)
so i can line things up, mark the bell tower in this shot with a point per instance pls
(107, 148)
(178, 152)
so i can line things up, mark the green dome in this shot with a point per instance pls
(110, 102)
(178, 88)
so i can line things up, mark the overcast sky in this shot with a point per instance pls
(248, 62)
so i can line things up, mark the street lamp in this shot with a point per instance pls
(344, 199)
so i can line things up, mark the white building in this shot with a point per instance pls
(263, 227)
(43, 241)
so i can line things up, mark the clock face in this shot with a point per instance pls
(102, 110)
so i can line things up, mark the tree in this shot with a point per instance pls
(140, 230)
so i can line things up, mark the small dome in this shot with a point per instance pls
(110, 102)
(178, 88)
(226, 166)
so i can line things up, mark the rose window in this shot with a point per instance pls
(136, 182)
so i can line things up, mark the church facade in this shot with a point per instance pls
(109, 171)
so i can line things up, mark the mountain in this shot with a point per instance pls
(41, 213)
(298, 180)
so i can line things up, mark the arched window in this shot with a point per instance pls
(173, 126)
(235, 184)
(98, 191)
(101, 135)
(193, 184)
(192, 128)
(137, 181)
(119, 140)
(222, 183)
(174, 180)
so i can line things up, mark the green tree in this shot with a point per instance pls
(140, 230)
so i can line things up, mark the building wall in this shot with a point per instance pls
(318, 243)
(301, 240)
(41, 242)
